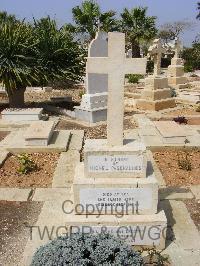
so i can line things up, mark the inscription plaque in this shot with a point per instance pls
(111, 199)
(115, 163)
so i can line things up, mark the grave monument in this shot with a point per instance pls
(114, 186)
(176, 69)
(93, 106)
(156, 94)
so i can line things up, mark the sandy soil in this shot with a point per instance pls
(15, 221)
(42, 177)
(93, 132)
(175, 176)
(193, 207)
(183, 112)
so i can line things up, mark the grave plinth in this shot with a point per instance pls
(115, 190)
(39, 133)
(176, 76)
(25, 114)
(156, 95)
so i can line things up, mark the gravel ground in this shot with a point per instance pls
(15, 217)
(168, 163)
(94, 132)
(41, 177)
(193, 207)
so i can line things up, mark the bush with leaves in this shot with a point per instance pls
(134, 78)
(27, 165)
(86, 249)
(192, 57)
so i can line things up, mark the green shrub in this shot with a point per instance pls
(134, 78)
(26, 164)
(86, 249)
(188, 68)
(173, 93)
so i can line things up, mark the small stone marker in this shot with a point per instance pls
(171, 131)
(25, 114)
(39, 133)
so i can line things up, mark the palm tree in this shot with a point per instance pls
(198, 7)
(138, 27)
(59, 56)
(88, 18)
(4, 16)
(17, 59)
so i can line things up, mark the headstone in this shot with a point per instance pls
(156, 94)
(93, 106)
(176, 76)
(114, 178)
(39, 133)
(25, 114)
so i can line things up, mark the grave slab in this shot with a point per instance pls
(39, 133)
(15, 142)
(171, 131)
(25, 114)
(14, 194)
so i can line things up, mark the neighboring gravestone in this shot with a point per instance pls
(176, 76)
(39, 133)
(113, 180)
(93, 106)
(25, 114)
(156, 94)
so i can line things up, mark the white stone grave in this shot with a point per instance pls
(114, 178)
(24, 114)
(39, 133)
(93, 106)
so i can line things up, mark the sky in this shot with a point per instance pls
(165, 10)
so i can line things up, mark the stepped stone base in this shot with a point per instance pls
(150, 105)
(137, 230)
(176, 71)
(115, 195)
(174, 81)
(91, 115)
(156, 95)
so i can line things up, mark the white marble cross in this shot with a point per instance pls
(116, 65)
(177, 48)
(156, 50)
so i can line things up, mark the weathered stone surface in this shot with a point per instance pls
(156, 105)
(49, 194)
(14, 194)
(15, 142)
(196, 191)
(39, 133)
(27, 114)
(171, 131)
(156, 95)
(153, 227)
(155, 83)
(174, 81)
(175, 71)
